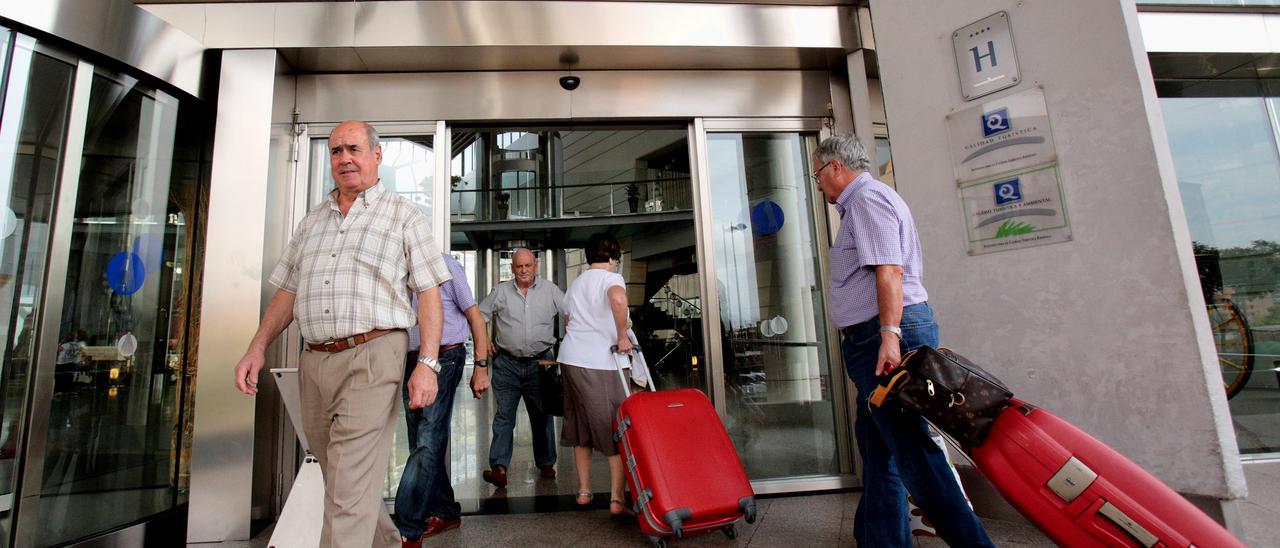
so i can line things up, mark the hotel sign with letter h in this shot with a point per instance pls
(985, 56)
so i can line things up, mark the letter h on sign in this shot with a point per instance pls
(977, 59)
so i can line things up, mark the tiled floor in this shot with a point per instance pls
(811, 521)
(806, 521)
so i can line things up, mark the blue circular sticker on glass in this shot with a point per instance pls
(125, 273)
(766, 218)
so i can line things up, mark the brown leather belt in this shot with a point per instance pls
(349, 342)
(449, 347)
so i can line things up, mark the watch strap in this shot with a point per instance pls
(430, 362)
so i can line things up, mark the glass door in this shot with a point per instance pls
(32, 133)
(113, 435)
(548, 188)
(781, 385)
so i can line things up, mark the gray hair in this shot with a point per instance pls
(846, 148)
(372, 134)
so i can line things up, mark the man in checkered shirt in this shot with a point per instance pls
(879, 303)
(346, 278)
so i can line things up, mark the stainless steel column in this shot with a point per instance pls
(222, 448)
(860, 99)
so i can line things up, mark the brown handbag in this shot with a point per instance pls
(948, 390)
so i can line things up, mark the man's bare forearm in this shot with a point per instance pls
(278, 316)
(430, 322)
(889, 294)
(479, 332)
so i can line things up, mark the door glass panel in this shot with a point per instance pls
(778, 377)
(114, 422)
(1228, 168)
(549, 189)
(408, 168)
(31, 137)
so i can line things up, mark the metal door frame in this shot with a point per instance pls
(840, 394)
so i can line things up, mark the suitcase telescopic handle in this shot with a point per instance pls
(622, 377)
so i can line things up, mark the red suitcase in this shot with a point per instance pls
(683, 471)
(1081, 492)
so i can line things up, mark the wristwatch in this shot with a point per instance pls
(482, 363)
(428, 361)
(892, 329)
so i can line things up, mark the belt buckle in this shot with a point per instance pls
(329, 345)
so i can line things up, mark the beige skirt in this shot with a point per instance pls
(591, 398)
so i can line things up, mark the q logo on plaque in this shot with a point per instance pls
(1008, 192)
(996, 122)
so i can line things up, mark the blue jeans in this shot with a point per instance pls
(513, 379)
(424, 487)
(897, 452)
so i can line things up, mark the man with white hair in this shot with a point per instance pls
(879, 303)
(524, 313)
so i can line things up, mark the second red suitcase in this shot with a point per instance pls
(681, 466)
(1080, 492)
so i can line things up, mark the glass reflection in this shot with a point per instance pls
(31, 137)
(1225, 152)
(777, 373)
(114, 426)
(526, 175)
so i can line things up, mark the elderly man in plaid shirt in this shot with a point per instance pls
(346, 278)
(879, 303)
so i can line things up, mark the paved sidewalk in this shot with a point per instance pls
(799, 522)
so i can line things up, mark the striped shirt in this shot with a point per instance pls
(354, 274)
(876, 228)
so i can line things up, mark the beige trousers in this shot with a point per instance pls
(349, 402)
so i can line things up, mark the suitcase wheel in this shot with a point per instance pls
(658, 542)
(730, 531)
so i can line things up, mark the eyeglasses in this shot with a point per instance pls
(819, 172)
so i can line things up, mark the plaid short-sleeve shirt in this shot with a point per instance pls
(876, 228)
(354, 274)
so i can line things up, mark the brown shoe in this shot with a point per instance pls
(548, 471)
(497, 476)
(436, 526)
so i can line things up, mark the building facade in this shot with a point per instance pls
(155, 166)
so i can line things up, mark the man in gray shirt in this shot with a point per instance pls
(524, 311)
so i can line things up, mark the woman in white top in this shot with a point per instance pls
(596, 320)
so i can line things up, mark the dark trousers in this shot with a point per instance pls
(897, 454)
(424, 487)
(515, 379)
